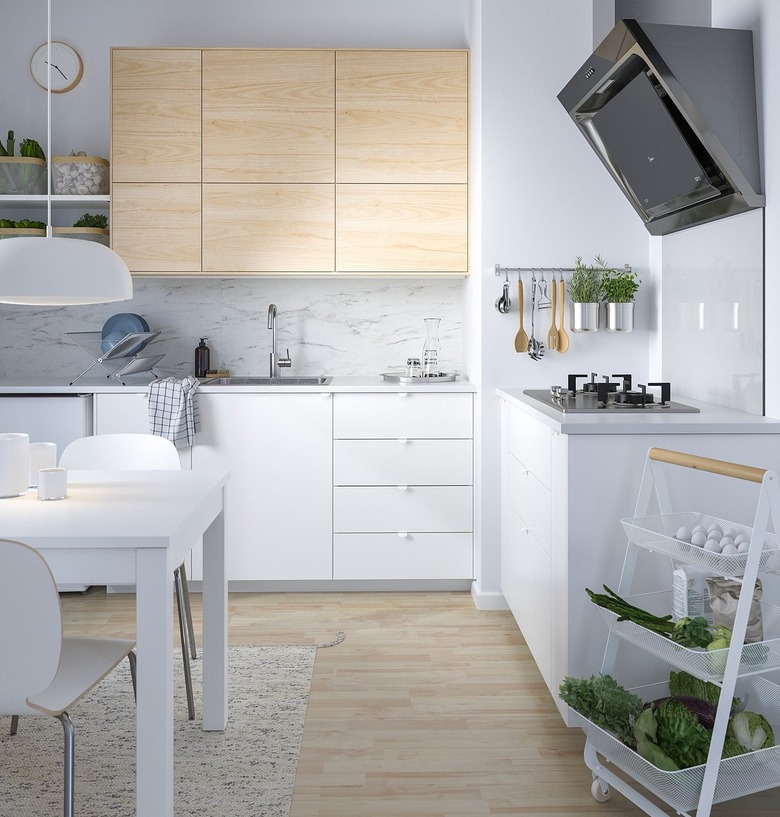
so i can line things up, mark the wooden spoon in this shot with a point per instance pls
(521, 338)
(552, 333)
(563, 338)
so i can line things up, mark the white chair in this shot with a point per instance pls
(141, 452)
(41, 671)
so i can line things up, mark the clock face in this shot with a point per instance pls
(66, 67)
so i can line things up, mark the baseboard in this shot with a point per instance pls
(492, 600)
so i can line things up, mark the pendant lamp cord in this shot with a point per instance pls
(48, 119)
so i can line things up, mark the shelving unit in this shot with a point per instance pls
(737, 670)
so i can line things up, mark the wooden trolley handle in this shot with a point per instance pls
(726, 469)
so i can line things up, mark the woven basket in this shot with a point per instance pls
(22, 176)
(85, 233)
(79, 176)
(21, 232)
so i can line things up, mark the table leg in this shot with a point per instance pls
(154, 712)
(215, 626)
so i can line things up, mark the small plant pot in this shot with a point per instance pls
(620, 317)
(584, 317)
(21, 232)
(97, 234)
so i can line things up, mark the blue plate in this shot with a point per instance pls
(125, 322)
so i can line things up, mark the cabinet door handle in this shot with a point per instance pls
(402, 487)
(403, 440)
(325, 394)
(525, 530)
(402, 534)
(403, 393)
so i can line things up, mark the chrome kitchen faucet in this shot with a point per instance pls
(276, 361)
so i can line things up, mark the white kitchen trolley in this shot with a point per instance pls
(740, 669)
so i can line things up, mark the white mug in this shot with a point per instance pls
(14, 459)
(52, 483)
(42, 455)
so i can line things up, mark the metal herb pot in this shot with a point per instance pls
(620, 317)
(584, 317)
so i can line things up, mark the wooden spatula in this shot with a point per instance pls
(563, 338)
(521, 338)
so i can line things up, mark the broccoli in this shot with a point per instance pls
(751, 730)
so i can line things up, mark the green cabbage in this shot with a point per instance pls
(751, 730)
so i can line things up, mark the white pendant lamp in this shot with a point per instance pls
(59, 271)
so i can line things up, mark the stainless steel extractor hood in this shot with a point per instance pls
(671, 112)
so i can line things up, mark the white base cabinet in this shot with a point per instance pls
(278, 450)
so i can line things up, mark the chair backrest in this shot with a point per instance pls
(121, 452)
(30, 626)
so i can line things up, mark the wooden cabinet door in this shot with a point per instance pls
(268, 116)
(268, 228)
(156, 227)
(402, 117)
(155, 115)
(401, 228)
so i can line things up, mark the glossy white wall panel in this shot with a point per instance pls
(712, 312)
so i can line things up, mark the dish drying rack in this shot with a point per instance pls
(119, 361)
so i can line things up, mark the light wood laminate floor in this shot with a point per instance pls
(429, 707)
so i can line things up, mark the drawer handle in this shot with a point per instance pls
(402, 534)
(325, 394)
(403, 440)
(403, 393)
(402, 487)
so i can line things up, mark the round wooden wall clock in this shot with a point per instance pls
(66, 67)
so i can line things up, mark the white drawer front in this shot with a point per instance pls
(409, 414)
(402, 462)
(531, 442)
(419, 509)
(531, 501)
(413, 556)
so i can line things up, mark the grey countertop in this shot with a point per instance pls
(710, 419)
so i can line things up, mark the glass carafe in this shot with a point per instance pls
(431, 348)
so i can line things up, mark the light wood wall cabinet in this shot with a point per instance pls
(300, 161)
(156, 158)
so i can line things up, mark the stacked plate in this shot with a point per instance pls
(118, 327)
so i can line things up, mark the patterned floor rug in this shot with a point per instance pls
(246, 771)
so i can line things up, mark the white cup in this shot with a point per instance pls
(42, 455)
(52, 483)
(14, 459)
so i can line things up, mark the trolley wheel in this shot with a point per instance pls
(600, 791)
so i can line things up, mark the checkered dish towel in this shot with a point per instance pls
(173, 409)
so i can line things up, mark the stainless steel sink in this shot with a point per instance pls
(268, 381)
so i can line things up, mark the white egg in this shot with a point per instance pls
(740, 538)
(699, 527)
(698, 538)
(684, 534)
(712, 545)
(729, 532)
(726, 540)
(729, 550)
(715, 526)
(715, 533)
(743, 546)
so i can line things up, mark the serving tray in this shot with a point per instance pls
(400, 377)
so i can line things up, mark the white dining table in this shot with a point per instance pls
(135, 527)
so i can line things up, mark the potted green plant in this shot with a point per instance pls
(619, 288)
(585, 288)
(89, 227)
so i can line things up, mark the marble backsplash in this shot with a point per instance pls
(342, 327)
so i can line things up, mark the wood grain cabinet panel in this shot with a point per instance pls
(156, 227)
(155, 115)
(267, 228)
(401, 228)
(402, 117)
(268, 116)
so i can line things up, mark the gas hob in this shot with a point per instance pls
(606, 395)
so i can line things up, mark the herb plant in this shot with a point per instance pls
(87, 220)
(619, 286)
(585, 284)
(602, 700)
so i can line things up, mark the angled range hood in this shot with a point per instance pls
(671, 112)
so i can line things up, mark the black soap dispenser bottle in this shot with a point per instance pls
(202, 355)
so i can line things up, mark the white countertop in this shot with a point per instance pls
(710, 419)
(52, 385)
